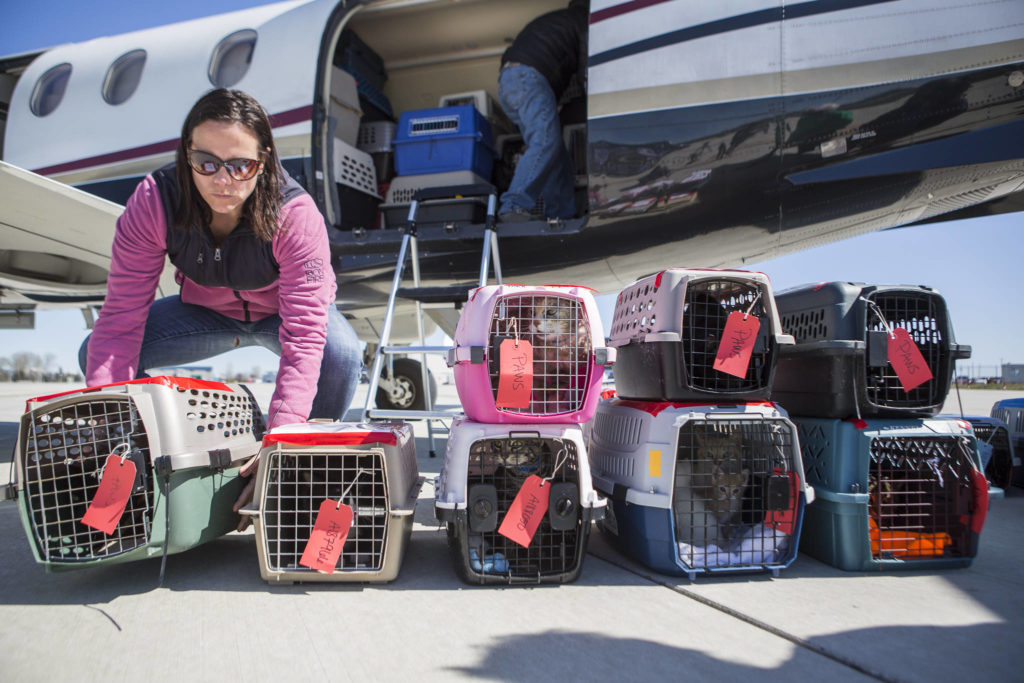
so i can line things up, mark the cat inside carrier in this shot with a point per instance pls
(560, 326)
(486, 467)
(700, 488)
(370, 468)
(183, 440)
(735, 498)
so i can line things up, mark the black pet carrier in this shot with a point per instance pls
(839, 366)
(669, 327)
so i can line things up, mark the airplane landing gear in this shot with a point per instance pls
(404, 390)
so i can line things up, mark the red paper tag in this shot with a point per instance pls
(112, 495)
(526, 512)
(784, 520)
(515, 380)
(907, 360)
(737, 344)
(329, 533)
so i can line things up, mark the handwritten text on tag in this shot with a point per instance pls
(737, 344)
(527, 511)
(906, 359)
(516, 374)
(329, 533)
(112, 495)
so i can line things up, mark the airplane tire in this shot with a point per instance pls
(409, 380)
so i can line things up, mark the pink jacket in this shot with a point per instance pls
(301, 295)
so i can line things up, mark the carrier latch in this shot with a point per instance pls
(777, 492)
(220, 459)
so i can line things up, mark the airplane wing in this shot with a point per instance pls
(55, 243)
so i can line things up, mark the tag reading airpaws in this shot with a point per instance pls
(907, 361)
(526, 511)
(737, 344)
(112, 495)
(515, 379)
(327, 538)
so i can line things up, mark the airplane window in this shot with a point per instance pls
(123, 76)
(231, 58)
(49, 89)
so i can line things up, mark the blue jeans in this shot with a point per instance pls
(545, 170)
(178, 334)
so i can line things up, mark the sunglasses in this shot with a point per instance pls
(205, 163)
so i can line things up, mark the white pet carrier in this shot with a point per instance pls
(700, 488)
(369, 467)
(186, 438)
(485, 467)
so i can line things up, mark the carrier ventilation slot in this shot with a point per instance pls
(434, 125)
(298, 483)
(227, 414)
(65, 450)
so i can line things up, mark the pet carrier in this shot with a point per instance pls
(186, 439)
(1011, 413)
(892, 494)
(995, 451)
(434, 212)
(561, 326)
(700, 488)
(370, 468)
(670, 327)
(839, 366)
(443, 139)
(485, 467)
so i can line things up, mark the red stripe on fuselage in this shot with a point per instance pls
(285, 118)
(623, 8)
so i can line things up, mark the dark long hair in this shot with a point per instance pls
(261, 208)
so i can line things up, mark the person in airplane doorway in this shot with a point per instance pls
(535, 71)
(253, 265)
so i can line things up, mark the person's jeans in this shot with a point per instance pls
(178, 334)
(545, 170)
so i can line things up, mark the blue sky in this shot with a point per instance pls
(971, 262)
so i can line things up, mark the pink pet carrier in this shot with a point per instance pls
(560, 325)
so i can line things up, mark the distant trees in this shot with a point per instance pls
(26, 366)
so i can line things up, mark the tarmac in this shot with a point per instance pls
(216, 619)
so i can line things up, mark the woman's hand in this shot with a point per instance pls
(245, 498)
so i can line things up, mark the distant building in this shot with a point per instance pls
(193, 371)
(1013, 372)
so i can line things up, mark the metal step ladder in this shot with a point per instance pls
(427, 296)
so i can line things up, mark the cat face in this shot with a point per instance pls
(551, 315)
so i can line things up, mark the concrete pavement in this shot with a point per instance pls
(215, 619)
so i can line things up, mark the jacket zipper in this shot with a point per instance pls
(245, 305)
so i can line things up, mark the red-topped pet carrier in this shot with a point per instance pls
(369, 467)
(184, 438)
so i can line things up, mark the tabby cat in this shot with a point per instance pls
(709, 489)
